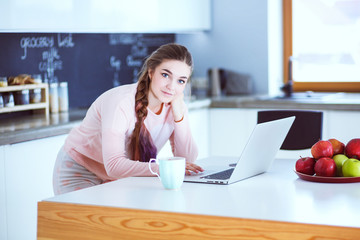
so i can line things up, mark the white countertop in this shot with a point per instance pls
(277, 195)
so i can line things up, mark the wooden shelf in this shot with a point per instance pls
(16, 108)
(43, 105)
(23, 87)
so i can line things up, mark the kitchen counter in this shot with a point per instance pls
(273, 205)
(38, 126)
(31, 127)
(344, 102)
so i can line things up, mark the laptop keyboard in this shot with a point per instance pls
(220, 175)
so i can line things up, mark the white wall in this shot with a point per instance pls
(275, 47)
(246, 37)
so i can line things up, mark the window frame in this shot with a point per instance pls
(287, 52)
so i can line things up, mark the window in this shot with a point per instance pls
(323, 39)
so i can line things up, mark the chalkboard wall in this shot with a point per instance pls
(90, 63)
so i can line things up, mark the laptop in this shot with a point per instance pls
(256, 158)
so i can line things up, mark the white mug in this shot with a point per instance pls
(172, 171)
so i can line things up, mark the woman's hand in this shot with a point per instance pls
(191, 167)
(177, 105)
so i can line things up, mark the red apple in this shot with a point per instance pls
(305, 165)
(338, 146)
(321, 149)
(325, 167)
(352, 149)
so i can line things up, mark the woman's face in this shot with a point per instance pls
(168, 80)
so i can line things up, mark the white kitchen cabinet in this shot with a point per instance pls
(3, 224)
(230, 129)
(28, 176)
(342, 125)
(199, 125)
(122, 16)
(165, 151)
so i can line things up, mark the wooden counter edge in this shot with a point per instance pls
(78, 221)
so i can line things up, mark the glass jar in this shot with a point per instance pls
(3, 82)
(35, 95)
(63, 97)
(1, 101)
(8, 99)
(21, 97)
(54, 97)
(37, 78)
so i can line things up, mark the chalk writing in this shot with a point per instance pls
(135, 75)
(132, 62)
(116, 80)
(115, 63)
(122, 39)
(139, 51)
(52, 62)
(45, 42)
(65, 41)
(35, 42)
(130, 39)
(155, 40)
(50, 66)
(51, 54)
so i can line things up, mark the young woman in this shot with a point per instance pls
(127, 125)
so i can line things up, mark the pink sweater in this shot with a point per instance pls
(100, 142)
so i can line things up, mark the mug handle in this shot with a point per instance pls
(157, 162)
